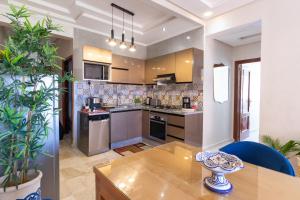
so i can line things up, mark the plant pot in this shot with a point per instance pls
(295, 161)
(25, 191)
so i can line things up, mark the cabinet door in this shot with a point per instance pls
(119, 69)
(118, 127)
(95, 54)
(184, 66)
(134, 124)
(151, 70)
(136, 71)
(145, 124)
(119, 75)
(166, 64)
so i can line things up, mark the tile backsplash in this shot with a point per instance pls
(125, 94)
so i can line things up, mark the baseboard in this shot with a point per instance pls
(217, 146)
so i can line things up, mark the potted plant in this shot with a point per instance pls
(291, 149)
(27, 60)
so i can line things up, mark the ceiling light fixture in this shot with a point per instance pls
(188, 37)
(208, 14)
(164, 29)
(123, 44)
(112, 41)
(132, 46)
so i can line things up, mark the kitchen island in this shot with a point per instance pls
(170, 172)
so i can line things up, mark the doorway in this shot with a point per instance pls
(67, 100)
(247, 100)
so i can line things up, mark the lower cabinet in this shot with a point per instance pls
(146, 123)
(134, 124)
(126, 125)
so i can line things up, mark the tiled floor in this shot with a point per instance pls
(77, 180)
(76, 172)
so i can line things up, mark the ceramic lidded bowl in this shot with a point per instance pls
(219, 163)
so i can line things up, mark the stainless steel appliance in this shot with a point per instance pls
(148, 101)
(164, 79)
(93, 133)
(155, 102)
(94, 103)
(96, 71)
(158, 127)
(186, 102)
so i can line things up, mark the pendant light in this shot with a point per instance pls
(112, 41)
(123, 44)
(132, 46)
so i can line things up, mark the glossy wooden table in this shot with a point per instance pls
(170, 172)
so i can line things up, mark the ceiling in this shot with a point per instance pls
(151, 16)
(241, 35)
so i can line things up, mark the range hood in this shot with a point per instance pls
(165, 79)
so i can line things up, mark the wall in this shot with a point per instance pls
(217, 118)
(177, 43)
(280, 50)
(248, 51)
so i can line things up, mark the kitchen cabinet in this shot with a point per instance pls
(126, 125)
(151, 70)
(145, 123)
(95, 54)
(188, 66)
(159, 65)
(184, 66)
(134, 124)
(127, 70)
(118, 126)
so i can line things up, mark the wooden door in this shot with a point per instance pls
(151, 70)
(242, 99)
(245, 103)
(134, 124)
(118, 126)
(184, 61)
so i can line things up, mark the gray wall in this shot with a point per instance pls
(218, 118)
(177, 43)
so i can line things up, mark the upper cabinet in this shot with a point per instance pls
(186, 64)
(96, 55)
(127, 70)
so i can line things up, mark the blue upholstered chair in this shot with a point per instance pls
(261, 155)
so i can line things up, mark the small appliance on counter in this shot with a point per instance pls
(186, 102)
(148, 101)
(94, 103)
(155, 102)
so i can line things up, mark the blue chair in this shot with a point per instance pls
(261, 155)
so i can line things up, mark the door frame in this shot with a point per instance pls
(65, 98)
(237, 96)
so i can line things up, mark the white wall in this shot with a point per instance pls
(177, 43)
(280, 50)
(248, 51)
(217, 118)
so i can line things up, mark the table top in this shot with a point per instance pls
(170, 172)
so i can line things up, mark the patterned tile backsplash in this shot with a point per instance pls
(125, 94)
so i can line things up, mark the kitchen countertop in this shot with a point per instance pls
(170, 172)
(141, 107)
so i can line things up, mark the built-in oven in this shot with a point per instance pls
(158, 127)
(96, 71)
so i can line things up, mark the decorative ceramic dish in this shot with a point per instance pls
(219, 163)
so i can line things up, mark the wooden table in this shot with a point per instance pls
(170, 172)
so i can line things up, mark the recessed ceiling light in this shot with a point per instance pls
(164, 29)
(188, 37)
(207, 14)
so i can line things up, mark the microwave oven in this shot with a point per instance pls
(96, 71)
